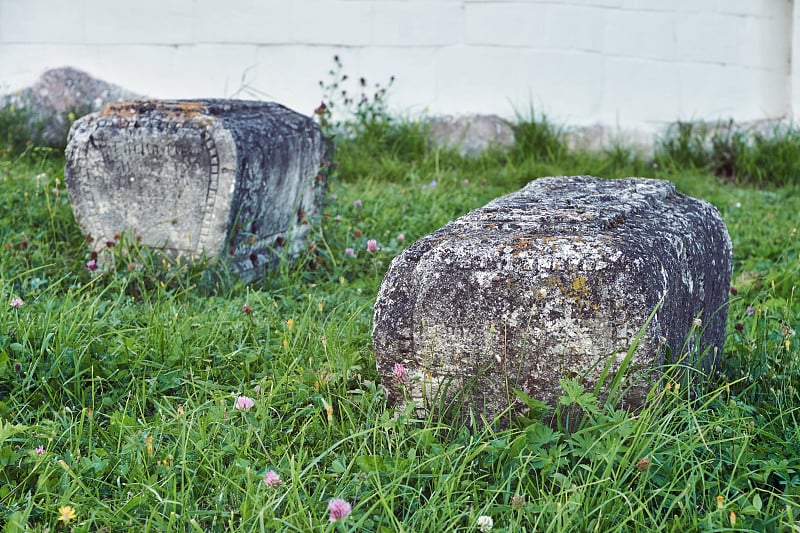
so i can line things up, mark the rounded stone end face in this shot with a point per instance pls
(554, 281)
(226, 178)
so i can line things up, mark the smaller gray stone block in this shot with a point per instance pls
(57, 98)
(228, 178)
(471, 134)
(550, 282)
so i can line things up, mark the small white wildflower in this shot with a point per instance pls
(485, 523)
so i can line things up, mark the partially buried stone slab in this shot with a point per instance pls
(471, 134)
(550, 282)
(58, 97)
(218, 177)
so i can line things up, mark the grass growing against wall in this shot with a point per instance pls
(163, 395)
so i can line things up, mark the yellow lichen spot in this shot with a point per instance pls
(579, 284)
(577, 290)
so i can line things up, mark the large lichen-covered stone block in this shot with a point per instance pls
(226, 178)
(551, 282)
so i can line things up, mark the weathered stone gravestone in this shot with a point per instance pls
(471, 134)
(57, 98)
(554, 281)
(218, 177)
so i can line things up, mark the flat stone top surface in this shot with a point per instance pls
(583, 203)
(198, 110)
(577, 210)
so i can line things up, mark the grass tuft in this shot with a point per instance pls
(761, 155)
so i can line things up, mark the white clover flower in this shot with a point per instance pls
(485, 523)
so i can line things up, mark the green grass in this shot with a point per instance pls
(128, 379)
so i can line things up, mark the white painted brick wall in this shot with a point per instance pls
(417, 23)
(641, 34)
(576, 28)
(709, 38)
(326, 22)
(40, 21)
(141, 22)
(506, 24)
(246, 21)
(579, 83)
(623, 63)
(472, 78)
